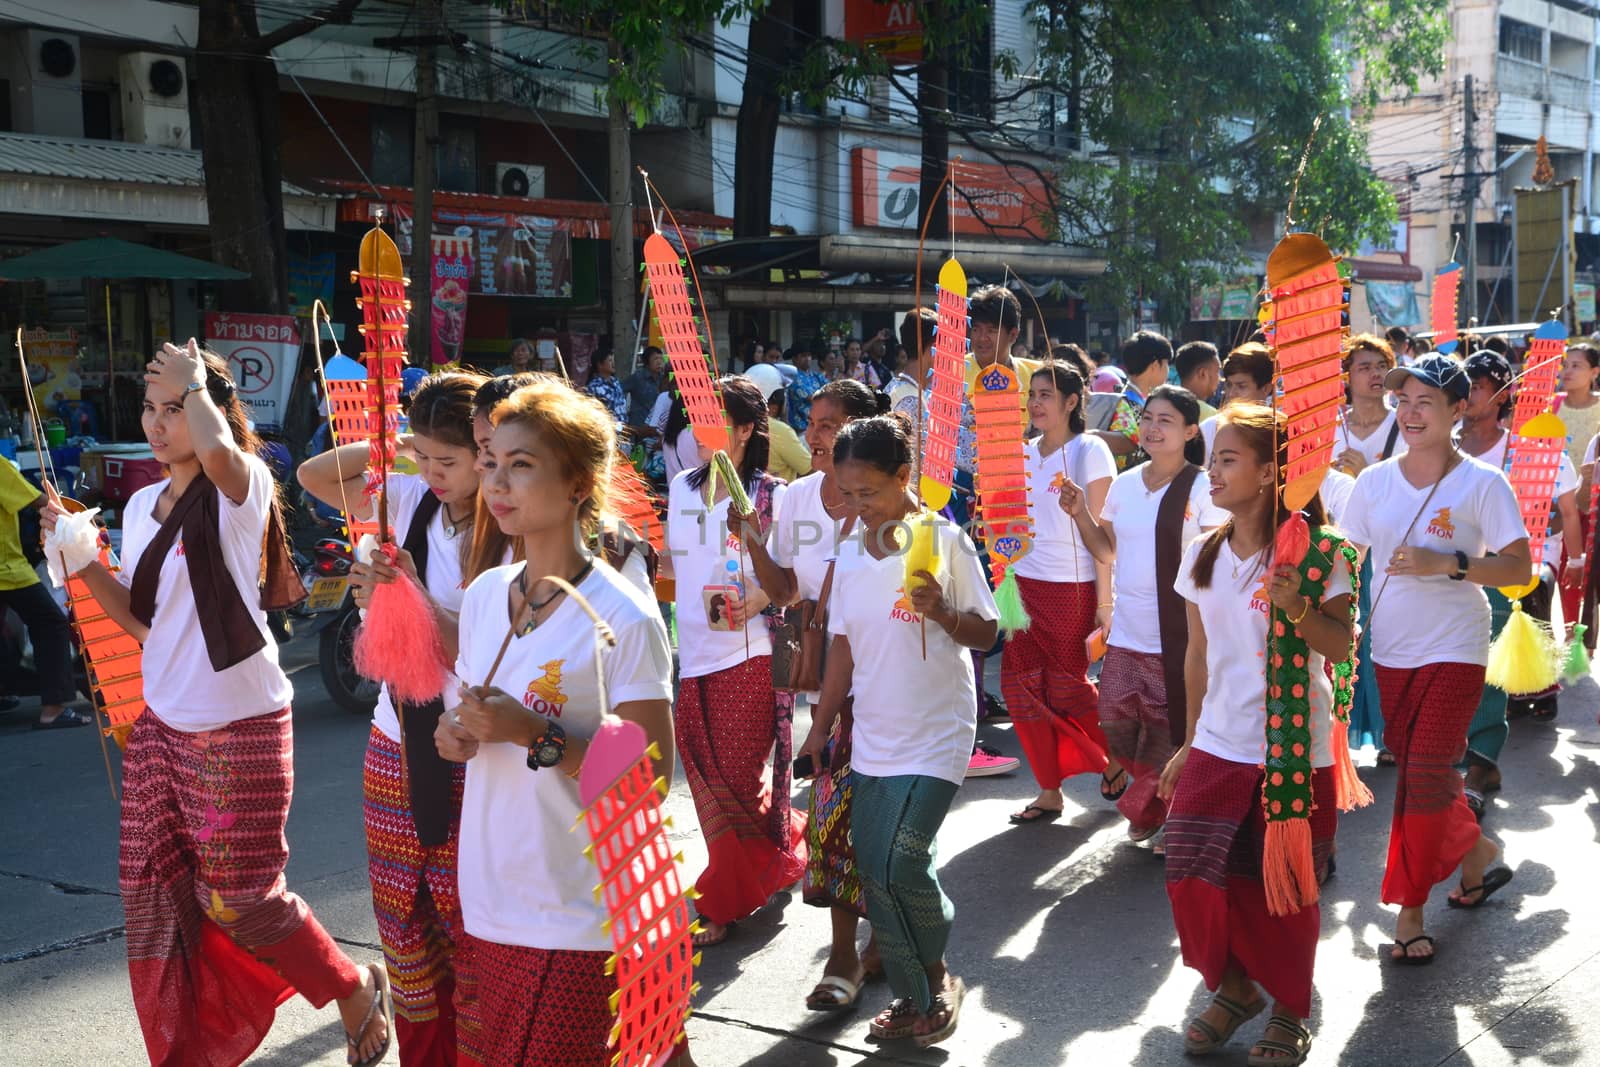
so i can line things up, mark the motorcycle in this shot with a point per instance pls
(331, 608)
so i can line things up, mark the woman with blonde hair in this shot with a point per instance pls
(536, 983)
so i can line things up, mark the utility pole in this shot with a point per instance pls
(424, 145)
(619, 135)
(1469, 191)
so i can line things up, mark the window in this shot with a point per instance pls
(1521, 41)
(97, 113)
(392, 129)
(456, 158)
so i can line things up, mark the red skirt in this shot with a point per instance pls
(1426, 712)
(1215, 834)
(1044, 679)
(532, 1007)
(725, 724)
(1133, 714)
(215, 940)
(418, 908)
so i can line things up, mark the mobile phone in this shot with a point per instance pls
(546, 349)
(805, 767)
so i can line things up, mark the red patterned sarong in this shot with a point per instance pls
(1215, 833)
(215, 940)
(725, 724)
(1133, 714)
(1426, 711)
(1044, 679)
(417, 906)
(533, 1007)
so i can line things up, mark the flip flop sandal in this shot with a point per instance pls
(65, 721)
(1387, 758)
(1022, 818)
(1139, 837)
(380, 1004)
(1475, 803)
(1406, 959)
(896, 1021)
(1121, 775)
(1292, 1055)
(1238, 1015)
(833, 993)
(946, 1000)
(1493, 881)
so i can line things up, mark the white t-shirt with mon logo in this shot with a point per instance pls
(1418, 621)
(911, 716)
(524, 880)
(1058, 554)
(1236, 611)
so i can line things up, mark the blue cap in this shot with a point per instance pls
(1436, 370)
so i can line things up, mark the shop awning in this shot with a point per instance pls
(108, 257)
(78, 178)
(882, 254)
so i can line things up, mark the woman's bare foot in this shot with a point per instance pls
(711, 933)
(358, 1008)
(1408, 928)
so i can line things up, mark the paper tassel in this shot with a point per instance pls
(1577, 660)
(922, 554)
(399, 643)
(1350, 792)
(1008, 598)
(1523, 658)
(1293, 541)
(1288, 873)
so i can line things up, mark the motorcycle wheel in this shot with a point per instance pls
(336, 659)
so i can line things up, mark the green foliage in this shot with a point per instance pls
(1204, 111)
(647, 35)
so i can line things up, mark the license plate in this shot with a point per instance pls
(326, 594)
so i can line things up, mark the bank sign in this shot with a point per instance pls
(990, 199)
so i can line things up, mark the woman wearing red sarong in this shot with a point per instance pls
(215, 940)
(1044, 674)
(413, 796)
(534, 982)
(1216, 828)
(729, 718)
(1431, 518)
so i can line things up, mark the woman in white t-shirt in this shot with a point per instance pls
(1255, 752)
(1144, 534)
(535, 983)
(212, 932)
(412, 795)
(808, 528)
(1044, 674)
(915, 718)
(733, 726)
(1442, 526)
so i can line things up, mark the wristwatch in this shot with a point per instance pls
(192, 387)
(1461, 567)
(549, 748)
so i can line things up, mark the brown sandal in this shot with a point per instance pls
(1238, 1015)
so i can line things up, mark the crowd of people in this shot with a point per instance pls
(1155, 594)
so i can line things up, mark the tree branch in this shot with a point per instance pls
(339, 14)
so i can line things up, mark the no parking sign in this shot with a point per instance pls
(263, 352)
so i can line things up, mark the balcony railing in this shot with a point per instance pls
(1518, 77)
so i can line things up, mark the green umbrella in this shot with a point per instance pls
(107, 257)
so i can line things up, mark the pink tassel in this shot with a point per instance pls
(1294, 540)
(399, 643)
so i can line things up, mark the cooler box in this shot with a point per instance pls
(92, 461)
(124, 475)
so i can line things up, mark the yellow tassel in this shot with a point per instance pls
(1523, 658)
(654, 750)
(666, 821)
(599, 890)
(691, 893)
(611, 964)
(696, 959)
(613, 1000)
(605, 926)
(661, 786)
(677, 857)
(588, 852)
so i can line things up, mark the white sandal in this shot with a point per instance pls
(829, 985)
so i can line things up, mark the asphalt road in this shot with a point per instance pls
(1062, 934)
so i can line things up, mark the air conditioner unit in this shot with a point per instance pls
(50, 101)
(519, 179)
(155, 99)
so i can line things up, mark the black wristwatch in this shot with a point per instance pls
(549, 748)
(1461, 567)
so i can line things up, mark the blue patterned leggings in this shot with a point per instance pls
(895, 823)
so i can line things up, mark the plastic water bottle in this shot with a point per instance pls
(731, 576)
